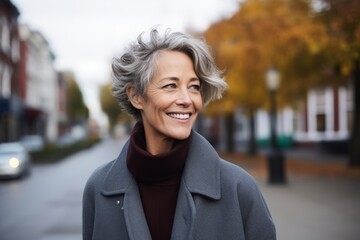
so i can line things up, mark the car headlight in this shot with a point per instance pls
(14, 162)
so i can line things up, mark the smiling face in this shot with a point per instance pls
(171, 103)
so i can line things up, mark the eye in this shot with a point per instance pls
(170, 86)
(195, 87)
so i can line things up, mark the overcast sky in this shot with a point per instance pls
(86, 34)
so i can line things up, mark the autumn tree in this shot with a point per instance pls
(342, 21)
(111, 107)
(264, 33)
(76, 108)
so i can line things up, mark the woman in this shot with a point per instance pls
(168, 182)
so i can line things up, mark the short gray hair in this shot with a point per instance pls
(136, 66)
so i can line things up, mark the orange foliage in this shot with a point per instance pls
(266, 33)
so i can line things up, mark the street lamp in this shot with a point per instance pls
(275, 155)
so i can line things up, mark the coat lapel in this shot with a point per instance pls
(184, 215)
(119, 181)
(201, 177)
(134, 215)
(202, 171)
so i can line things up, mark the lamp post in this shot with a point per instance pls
(275, 155)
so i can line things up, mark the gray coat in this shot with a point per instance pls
(217, 200)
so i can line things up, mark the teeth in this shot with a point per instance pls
(179, 115)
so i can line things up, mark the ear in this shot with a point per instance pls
(135, 99)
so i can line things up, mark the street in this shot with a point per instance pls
(315, 208)
(47, 204)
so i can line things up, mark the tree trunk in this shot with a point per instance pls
(354, 151)
(229, 126)
(251, 147)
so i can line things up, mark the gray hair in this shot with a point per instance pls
(136, 66)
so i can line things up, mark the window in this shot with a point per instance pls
(15, 50)
(350, 120)
(349, 107)
(320, 122)
(320, 100)
(6, 83)
(5, 36)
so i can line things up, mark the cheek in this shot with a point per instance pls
(154, 100)
(198, 103)
(159, 103)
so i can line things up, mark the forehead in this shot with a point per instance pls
(166, 54)
(167, 60)
(172, 65)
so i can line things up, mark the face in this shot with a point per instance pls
(173, 99)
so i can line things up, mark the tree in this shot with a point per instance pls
(266, 33)
(342, 21)
(111, 107)
(76, 108)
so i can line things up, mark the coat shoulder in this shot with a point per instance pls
(236, 180)
(98, 175)
(235, 174)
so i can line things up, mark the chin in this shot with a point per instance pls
(180, 134)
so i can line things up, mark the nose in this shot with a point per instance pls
(184, 98)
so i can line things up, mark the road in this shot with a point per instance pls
(46, 205)
(315, 208)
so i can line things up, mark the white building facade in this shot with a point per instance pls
(325, 115)
(41, 80)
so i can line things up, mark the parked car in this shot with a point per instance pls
(32, 142)
(14, 160)
(66, 140)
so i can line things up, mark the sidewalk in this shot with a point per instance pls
(297, 163)
(320, 200)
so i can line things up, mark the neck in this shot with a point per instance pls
(149, 167)
(158, 146)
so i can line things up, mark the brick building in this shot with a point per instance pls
(10, 87)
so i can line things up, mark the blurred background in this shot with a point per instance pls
(290, 117)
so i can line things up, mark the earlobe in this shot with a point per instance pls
(135, 99)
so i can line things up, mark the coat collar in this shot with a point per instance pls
(201, 174)
(118, 179)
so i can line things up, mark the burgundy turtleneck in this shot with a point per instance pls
(158, 178)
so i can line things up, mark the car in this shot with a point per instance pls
(14, 160)
(66, 140)
(32, 142)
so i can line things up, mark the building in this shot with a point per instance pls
(10, 87)
(33, 95)
(326, 115)
(41, 86)
(63, 124)
(322, 118)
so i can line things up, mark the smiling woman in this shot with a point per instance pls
(168, 182)
(171, 103)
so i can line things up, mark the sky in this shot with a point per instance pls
(85, 35)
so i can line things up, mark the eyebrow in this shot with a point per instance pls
(193, 79)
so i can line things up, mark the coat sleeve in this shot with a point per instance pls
(257, 220)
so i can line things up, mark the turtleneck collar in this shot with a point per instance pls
(154, 168)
